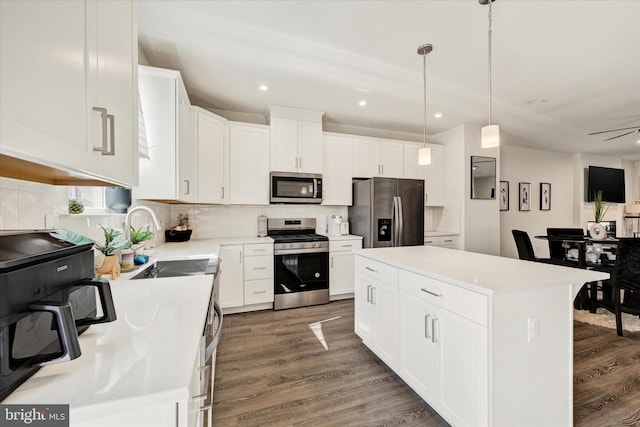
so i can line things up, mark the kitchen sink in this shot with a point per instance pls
(176, 268)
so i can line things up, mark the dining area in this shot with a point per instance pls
(618, 256)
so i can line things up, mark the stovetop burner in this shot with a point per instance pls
(300, 237)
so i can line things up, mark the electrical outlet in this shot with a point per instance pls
(533, 328)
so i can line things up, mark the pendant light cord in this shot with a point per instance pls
(489, 33)
(424, 77)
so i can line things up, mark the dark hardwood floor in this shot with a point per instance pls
(271, 370)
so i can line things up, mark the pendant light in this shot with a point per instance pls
(424, 154)
(490, 134)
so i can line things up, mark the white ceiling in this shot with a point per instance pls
(561, 69)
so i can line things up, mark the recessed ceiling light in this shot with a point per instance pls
(264, 88)
(438, 115)
(362, 103)
(638, 141)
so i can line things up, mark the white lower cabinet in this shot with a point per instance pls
(432, 334)
(341, 262)
(376, 309)
(246, 276)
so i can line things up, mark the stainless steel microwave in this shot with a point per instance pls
(289, 187)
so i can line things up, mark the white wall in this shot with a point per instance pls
(536, 166)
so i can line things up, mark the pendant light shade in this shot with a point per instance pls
(424, 154)
(490, 135)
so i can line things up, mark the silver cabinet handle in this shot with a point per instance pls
(347, 246)
(300, 162)
(112, 135)
(188, 191)
(260, 268)
(259, 292)
(382, 169)
(427, 318)
(428, 241)
(296, 166)
(259, 250)
(448, 240)
(103, 116)
(241, 257)
(222, 192)
(433, 330)
(373, 295)
(430, 293)
(371, 269)
(368, 293)
(331, 262)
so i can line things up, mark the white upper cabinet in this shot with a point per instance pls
(210, 132)
(432, 174)
(169, 173)
(112, 58)
(336, 173)
(59, 60)
(377, 157)
(248, 164)
(296, 140)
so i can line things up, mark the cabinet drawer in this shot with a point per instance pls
(378, 270)
(446, 241)
(344, 245)
(258, 267)
(258, 249)
(258, 291)
(469, 304)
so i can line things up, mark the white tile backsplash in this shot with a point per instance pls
(24, 205)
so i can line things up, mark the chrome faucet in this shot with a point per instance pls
(127, 219)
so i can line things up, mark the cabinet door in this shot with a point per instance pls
(365, 158)
(309, 147)
(391, 159)
(341, 265)
(434, 179)
(385, 323)
(111, 82)
(209, 134)
(248, 164)
(43, 108)
(363, 309)
(416, 364)
(337, 171)
(462, 369)
(284, 145)
(186, 178)
(231, 277)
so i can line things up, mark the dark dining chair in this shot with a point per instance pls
(525, 248)
(556, 247)
(622, 292)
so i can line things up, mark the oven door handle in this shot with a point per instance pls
(315, 188)
(67, 332)
(216, 337)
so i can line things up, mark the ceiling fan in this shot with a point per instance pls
(636, 129)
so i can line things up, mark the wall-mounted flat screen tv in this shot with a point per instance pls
(608, 180)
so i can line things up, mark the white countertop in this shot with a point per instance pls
(147, 355)
(202, 248)
(487, 274)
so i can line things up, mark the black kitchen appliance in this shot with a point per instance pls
(47, 298)
(301, 263)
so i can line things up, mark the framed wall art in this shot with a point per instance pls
(545, 196)
(504, 195)
(524, 196)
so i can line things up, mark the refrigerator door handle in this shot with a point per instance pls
(395, 222)
(400, 222)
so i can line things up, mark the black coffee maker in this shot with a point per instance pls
(48, 296)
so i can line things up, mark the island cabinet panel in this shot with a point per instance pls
(376, 309)
(484, 340)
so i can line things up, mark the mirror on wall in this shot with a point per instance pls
(483, 177)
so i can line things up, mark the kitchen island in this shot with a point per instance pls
(485, 340)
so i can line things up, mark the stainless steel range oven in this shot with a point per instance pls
(301, 263)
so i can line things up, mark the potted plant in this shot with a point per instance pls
(75, 206)
(600, 208)
(111, 263)
(138, 236)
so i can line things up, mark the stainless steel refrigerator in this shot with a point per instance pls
(388, 212)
